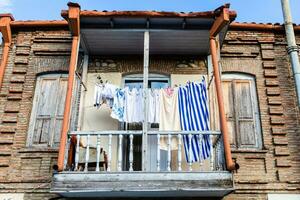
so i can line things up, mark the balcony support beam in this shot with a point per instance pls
(221, 21)
(5, 20)
(145, 90)
(74, 23)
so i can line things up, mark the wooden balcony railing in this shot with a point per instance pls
(119, 151)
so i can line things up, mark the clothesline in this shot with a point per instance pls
(175, 109)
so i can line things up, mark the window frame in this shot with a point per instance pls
(234, 77)
(34, 111)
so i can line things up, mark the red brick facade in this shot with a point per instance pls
(275, 168)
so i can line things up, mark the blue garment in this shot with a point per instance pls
(194, 116)
(118, 105)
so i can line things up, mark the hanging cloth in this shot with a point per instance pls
(98, 95)
(133, 106)
(194, 116)
(153, 102)
(118, 105)
(169, 117)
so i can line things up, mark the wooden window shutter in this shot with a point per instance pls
(245, 116)
(47, 111)
(229, 110)
(241, 108)
(62, 85)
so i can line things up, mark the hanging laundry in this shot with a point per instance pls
(108, 93)
(139, 106)
(98, 95)
(169, 116)
(118, 105)
(153, 99)
(133, 107)
(194, 116)
(104, 93)
(157, 106)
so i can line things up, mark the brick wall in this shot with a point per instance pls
(25, 169)
(276, 167)
(157, 64)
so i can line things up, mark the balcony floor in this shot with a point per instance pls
(142, 184)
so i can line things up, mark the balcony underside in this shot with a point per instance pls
(142, 184)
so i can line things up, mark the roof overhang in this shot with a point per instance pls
(122, 32)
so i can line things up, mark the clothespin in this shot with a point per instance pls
(100, 79)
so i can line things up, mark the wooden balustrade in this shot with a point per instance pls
(109, 148)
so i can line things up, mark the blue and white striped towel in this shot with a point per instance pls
(194, 116)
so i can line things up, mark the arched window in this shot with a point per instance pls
(242, 113)
(47, 110)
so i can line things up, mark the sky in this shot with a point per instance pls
(259, 11)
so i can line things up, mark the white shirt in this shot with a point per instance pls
(153, 102)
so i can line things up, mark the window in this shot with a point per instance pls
(47, 111)
(241, 110)
(155, 81)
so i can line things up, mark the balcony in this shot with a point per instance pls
(114, 164)
(142, 162)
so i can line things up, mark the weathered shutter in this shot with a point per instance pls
(62, 90)
(229, 110)
(45, 110)
(245, 118)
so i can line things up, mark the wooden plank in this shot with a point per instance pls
(141, 184)
(142, 176)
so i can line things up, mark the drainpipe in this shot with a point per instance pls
(292, 48)
(5, 20)
(220, 22)
(74, 23)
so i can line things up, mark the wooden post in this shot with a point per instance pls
(74, 17)
(5, 20)
(145, 96)
(83, 91)
(220, 23)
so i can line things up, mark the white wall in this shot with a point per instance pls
(98, 119)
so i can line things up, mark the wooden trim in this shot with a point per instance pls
(220, 23)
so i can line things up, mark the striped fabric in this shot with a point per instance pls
(194, 116)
